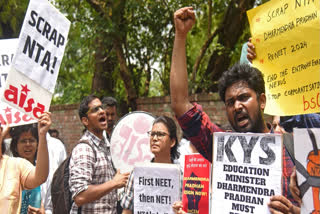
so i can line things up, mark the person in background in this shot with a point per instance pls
(54, 133)
(164, 146)
(110, 107)
(17, 174)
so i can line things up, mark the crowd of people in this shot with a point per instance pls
(94, 180)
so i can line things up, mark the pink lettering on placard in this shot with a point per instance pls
(141, 125)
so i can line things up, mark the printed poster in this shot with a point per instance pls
(307, 155)
(156, 188)
(247, 170)
(7, 113)
(35, 66)
(130, 143)
(286, 37)
(195, 189)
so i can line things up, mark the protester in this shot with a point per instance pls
(24, 144)
(93, 180)
(110, 108)
(164, 146)
(57, 154)
(54, 133)
(242, 90)
(19, 174)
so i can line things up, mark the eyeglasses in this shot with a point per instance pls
(25, 141)
(158, 134)
(95, 109)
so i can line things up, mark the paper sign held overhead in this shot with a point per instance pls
(286, 37)
(35, 67)
(8, 114)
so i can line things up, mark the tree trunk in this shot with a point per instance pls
(232, 28)
(102, 81)
(126, 76)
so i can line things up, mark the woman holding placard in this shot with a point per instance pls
(17, 174)
(164, 146)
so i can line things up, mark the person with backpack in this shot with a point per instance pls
(17, 174)
(93, 180)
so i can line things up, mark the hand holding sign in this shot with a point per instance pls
(34, 71)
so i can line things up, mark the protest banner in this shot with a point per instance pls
(307, 160)
(247, 170)
(130, 143)
(156, 188)
(7, 113)
(196, 177)
(286, 37)
(35, 66)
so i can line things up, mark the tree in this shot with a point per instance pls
(123, 48)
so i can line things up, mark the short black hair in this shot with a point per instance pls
(172, 128)
(109, 101)
(245, 73)
(84, 105)
(17, 131)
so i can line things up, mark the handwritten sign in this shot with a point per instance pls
(286, 36)
(307, 155)
(196, 177)
(156, 188)
(8, 114)
(35, 66)
(247, 170)
(130, 143)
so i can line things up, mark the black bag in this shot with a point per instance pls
(60, 190)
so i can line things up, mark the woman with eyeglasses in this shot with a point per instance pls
(18, 173)
(164, 146)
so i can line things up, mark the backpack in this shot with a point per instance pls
(60, 191)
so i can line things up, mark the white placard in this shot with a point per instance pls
(307, 153)
(35, 66)
(130, 143)
(247, 170)
(8, 114)
(156, 188)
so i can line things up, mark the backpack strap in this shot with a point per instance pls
(92, 147)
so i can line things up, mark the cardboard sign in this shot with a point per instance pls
(156, 188)
(196, 177)
(35, 67)
(7, 113)
(130, 143)
(247, 170)
(307, 155)
(286, 36)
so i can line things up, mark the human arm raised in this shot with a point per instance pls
(40, 173)
(95, 192)
(184, 19)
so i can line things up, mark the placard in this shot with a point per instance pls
(7, 113)
(35, 66)
(156, 188)
(307, 155)
(286, 36)
(247, 170)
(130, 143)
(195, 189)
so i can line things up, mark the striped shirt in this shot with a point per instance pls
(86, 169)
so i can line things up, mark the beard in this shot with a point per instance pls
(255, 123)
